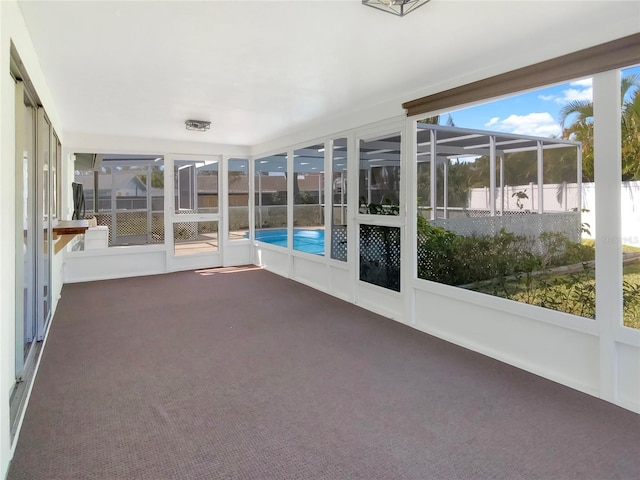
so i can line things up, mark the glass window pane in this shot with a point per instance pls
(44, 258)
(500, 200)
(104, 189)
(196, 184)
(130, 198)
(339, 200)
(238, 198)
(379, 180)
(271, 199)
(86, 179)
(308, 199)
(630, 193)
(192, 238)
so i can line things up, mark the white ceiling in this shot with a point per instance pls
(259, 70)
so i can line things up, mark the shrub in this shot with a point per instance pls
(436, 251)
(446, 257)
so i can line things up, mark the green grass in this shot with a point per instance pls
(632, 312)
(570, 293)
(625, 248)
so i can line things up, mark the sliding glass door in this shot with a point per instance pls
(43, 217)
(34, 141)
(26, 325)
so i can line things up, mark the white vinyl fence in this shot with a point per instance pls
(630, 198)
(564, 198)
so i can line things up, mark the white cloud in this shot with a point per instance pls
(573, 94)
(492, 122)
(585, 82)
(536, 124)
(578, 90)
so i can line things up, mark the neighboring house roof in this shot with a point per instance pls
(130, 182)
(206, 184)
(272, 183)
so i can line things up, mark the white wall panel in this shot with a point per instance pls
(341, 283)
(275, 260)
(381, 300)
(311, 271)
(236, 254)
(561, 354)
(194, 262)
(629, 376)
(117, 262)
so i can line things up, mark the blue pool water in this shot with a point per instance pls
(309, 241)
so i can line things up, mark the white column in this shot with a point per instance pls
(342, 187)
(223, 205)
(608, 174)
(492, 175)
(170, 182)
(445, 187)
(408, 257)
(502, 184)
(327, 185)
(433, 173)
(114, 210)
(540, 178)
(251, 171)
(260, 199)
(194, 187)
(149, 205)
(290, 204)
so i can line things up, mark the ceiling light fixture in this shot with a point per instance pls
(197, 125)
(397, 7)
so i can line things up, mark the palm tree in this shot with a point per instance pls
(631, 138)
(582, 129)
(584, 108)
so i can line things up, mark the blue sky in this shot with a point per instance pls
(534, 113)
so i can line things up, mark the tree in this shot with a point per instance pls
(631, 138)
(157, 178)
(582, 129)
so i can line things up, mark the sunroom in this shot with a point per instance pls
(508, 235)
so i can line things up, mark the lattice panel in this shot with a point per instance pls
(526, 224)
(133, 224)
(157, 227)
(477, 213)
(339, 242)
(185, 231)
(380, 256)
(198, 231)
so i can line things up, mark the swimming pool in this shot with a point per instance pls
(309, 241)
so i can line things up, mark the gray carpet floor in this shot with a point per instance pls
(231, 374)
